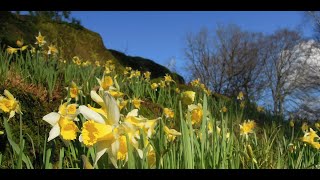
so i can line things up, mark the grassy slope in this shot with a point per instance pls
(72, 40)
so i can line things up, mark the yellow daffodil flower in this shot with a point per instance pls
(63, 122)
(40, 40)
(9, 104)
(168, 113)
(196, 114)
(136, 102)
(171, 133)
(247, 127)
(188, 97)
(52, 50)
(154, 86)
(12, 50)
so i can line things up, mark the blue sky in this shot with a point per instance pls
(160, 35)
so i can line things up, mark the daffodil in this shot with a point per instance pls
(101, 130)
(40, 40)
(177, 90)
(224, 109)
(196, 114)
(311, 138)
(19, 42)
(240, 96)
(304, 126)
(23, 48)
(188, 97)
(291, 148)
(147, 75)
(74, 91)
(154, 86)
(151, 157)
(247, 127)
(171, 133)
(12, 50)
(291, 123)
(260, 109)
(52, 50)
(195, 82)
(123, 104)
(162, 84)
(136, 102)
(105, 83)
(62, 122)
(140, 122)
(97, 63)
(168, 79)
(9, 104)
(168, 113)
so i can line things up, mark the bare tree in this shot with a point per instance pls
(286, 68)
(227, 61)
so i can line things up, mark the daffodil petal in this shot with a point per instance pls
(8, 94)
(80, 138)
(54, 132)
(140, 152)
(91, 115)
(12, 113)
(52, 118)
(96, 98)
(133, 113)
(101, 149)
(113, 109)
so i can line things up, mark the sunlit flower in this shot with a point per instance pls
(162, 84)
(247, 127)
(292, 148)
(40, 40)
(23, 48)
(74, 91)
(154, 86)
(240, 96)
(177, 90)
(63, 122)
(12, 50)
(195, 82)
(105, 83)
(260, 109)
(311, 138)
(171, 133)
(304, 126)
(168, 79)
(151, 157)
(291, 123)
(19, 42)
(147, 75)
(100, 129)
(168, 113)
(52, 50)
(9, 104)
(123, 104)
(224, 109)
(136, 102)
(97, 63)
(196, 114)
(188, 97)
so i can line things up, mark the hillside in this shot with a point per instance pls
(71, 40)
